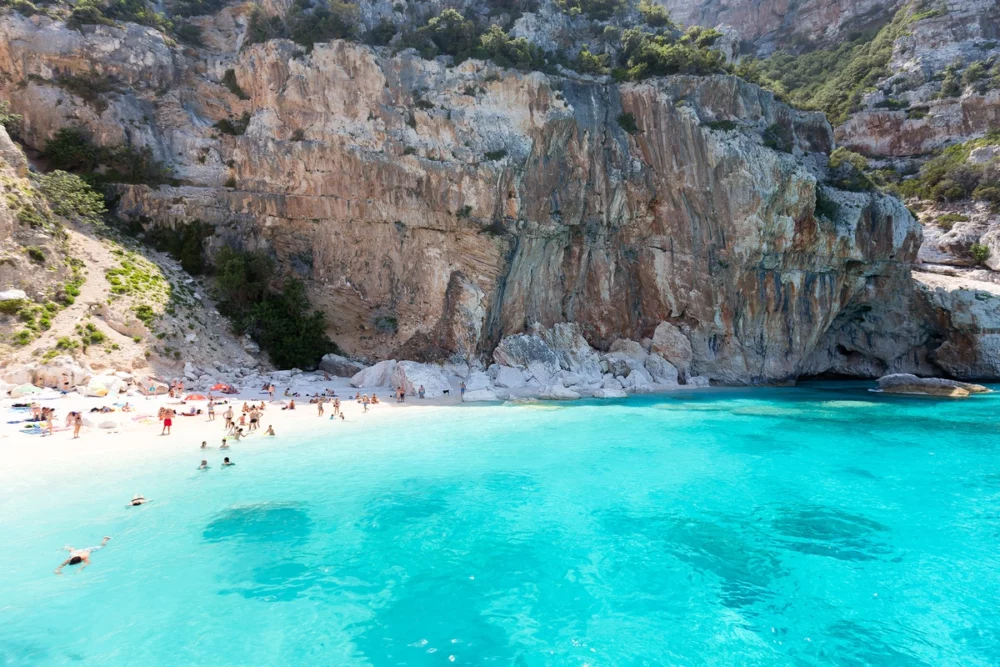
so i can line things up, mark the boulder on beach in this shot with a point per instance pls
(477, 380)
(699, 381)
(340, 366)
(670, 343)
(411, 375)
(375, 376)
(905, 383)
(479, 396)
(662, 371)
(507, 377)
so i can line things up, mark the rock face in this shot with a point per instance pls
(419, 242)
(904, 383)
(378, 375)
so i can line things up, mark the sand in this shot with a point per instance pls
(136, 442)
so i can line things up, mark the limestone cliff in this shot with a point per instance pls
(433, 210)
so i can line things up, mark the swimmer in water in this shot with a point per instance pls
(204, 465)
(227, 462)
(77, 556)
(138, 499)
(270, 430)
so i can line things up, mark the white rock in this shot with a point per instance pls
(476, 381)
(698, 381)
(541, 373)
(509, 378)
(341, 366)
(670, 343)
(629, 348)
(638, 381)
(13, 295)
(611, 382)
(479, 396)
(557, 392)
(375, 376)
(662, 371)
(411, 375)
(610, 393)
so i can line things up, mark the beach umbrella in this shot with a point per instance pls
(220, 387)
(194, 397)
(24, 390)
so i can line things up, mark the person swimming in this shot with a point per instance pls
(227, 462)
(270, 430)
(78, 556)
(204, 465)
(138, 499)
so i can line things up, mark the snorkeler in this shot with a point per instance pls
(77, 556)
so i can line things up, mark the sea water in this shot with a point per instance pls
(811, 526)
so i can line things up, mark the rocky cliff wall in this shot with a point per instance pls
(433, 210)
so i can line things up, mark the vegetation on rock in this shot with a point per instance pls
(280, 321)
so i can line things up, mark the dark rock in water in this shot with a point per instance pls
(904, 383)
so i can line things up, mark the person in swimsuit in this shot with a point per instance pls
(138, 499)
(226, 462)
(77, 423)
(204, 465)
(168, 421)
(270, 430)
(77, 556)
(224, 444)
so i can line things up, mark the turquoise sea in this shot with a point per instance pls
(821, 525)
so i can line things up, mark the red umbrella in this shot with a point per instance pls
(194, 397)
(220, 387)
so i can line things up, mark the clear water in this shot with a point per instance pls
(818, 526)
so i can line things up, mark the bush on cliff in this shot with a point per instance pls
(70, 149)
(831, 80)
(108, 12)
(304, 24)
(950, 176)
(647, 54)
(280, 321)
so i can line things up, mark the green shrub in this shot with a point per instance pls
(196, 7)
(69, 149)
(66, 343)
(645, 54)
(23, 337)
(10, 121)
(979, 252)
(591, 63)
(951, 85)
(36, 254)
(145, 313)
(185, 243)
(505, 51)
(70, 195)
(495, 156)
(234, 127)
(11, 306)
(948, 220)
(109, 11)
(280, 322)
(779, 137)
(465, 211)
(229, 80)
(721, 125)
(825, 207)
(626, 121)
(262, 28)
(387, 324)
(189, 33)
(831, 80)
(336, 20)
(950, 177)
(655, 15)
(599, 10)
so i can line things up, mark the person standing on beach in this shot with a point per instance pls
(77, 423)
(270, 392)
(461, 388)
(319, 407)
(168, 421)
(228, 415)
(211, 410)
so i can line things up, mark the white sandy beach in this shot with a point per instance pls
(138, 438)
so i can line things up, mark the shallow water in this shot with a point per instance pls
(813, 526)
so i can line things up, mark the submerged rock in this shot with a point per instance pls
(557, 392)
(905, 383)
